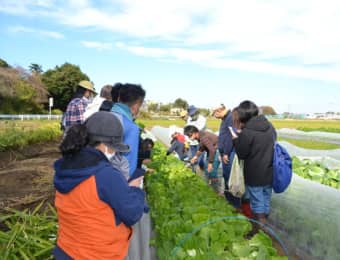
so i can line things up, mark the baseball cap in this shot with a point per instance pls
(105, 127)
(192, 110)
(87, 85)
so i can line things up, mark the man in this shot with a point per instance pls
(130, 99)
(226, 148)
(193, 117)
(208, 142)
(74, 114)
(102, 102)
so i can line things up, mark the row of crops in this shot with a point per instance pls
(190, 220)
(315, 171)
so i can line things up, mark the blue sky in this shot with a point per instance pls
(281, 53)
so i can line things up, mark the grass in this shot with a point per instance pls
(308, 144)
(304, 125)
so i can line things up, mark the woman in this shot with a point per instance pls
(255, 145)
(96, 206)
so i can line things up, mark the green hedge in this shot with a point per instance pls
(13, 138)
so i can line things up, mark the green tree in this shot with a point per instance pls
(181, 103)
(35, 68)
(3, 64)
(61, 83)
(153, 107)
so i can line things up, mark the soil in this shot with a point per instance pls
(26, 175)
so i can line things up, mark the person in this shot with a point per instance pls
(144, 152)
(75, 110)
(95, 204)
(255, 145)
(193, 117)
(102, 102)
(130, 99)
(226, 148)
(177, 146)
(207, 142)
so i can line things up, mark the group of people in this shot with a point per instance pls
(243, 131)
(98, 180)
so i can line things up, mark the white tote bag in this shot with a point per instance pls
(236, 178)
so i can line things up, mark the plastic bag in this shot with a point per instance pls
(236, 179)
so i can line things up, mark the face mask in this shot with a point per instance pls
(108, 155)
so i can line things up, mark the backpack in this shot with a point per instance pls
(282, 168)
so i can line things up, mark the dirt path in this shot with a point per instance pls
(26, 175)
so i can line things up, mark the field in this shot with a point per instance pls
(305, 125)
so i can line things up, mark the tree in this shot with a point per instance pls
(268, 110)
(181, 103)
(62, 82)
(165, 108)
(153, 107)
(3, 64)
(35, 68)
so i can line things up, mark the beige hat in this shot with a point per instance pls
(87, 85)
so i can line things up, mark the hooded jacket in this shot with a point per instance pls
(96, 207)
(255, 145)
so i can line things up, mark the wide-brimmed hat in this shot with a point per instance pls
(87, 85)
(105, 127)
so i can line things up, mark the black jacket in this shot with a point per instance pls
(255, 145)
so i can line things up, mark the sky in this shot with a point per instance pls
(282, 53)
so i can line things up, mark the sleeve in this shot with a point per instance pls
(228, 141)
(210, 147)
(172, 147)
(131, 138)
(127, 202)
(242, 145)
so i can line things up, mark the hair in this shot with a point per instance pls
(79, 92)
(130, 94)
(236, 118)
(190, 129)
(115, 92)
(145, 143)
(246, 110)
(106, 91)
(76, 138)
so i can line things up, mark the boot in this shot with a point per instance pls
(261, 218)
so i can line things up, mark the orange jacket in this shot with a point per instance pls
(96, 208)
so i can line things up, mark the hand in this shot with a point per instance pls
(210, 167)
(146, 161)
(136, 182)
(225, 158)
(193, 159)
(149, 170)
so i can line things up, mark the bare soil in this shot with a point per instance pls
(26, 175)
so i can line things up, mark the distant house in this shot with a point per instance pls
(175, 111)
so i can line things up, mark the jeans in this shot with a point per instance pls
(260, 197)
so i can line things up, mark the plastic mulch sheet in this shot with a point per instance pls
(307, 218)
(314, 135)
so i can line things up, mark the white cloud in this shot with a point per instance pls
(45, 33)
(97, 45)
(281, 37)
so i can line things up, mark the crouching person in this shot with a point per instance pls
(207, 142)
(96, 206)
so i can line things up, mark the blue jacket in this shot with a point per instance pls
(112, 187)
(225, 142)
(131, 134)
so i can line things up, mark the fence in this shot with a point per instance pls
(30, 117)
